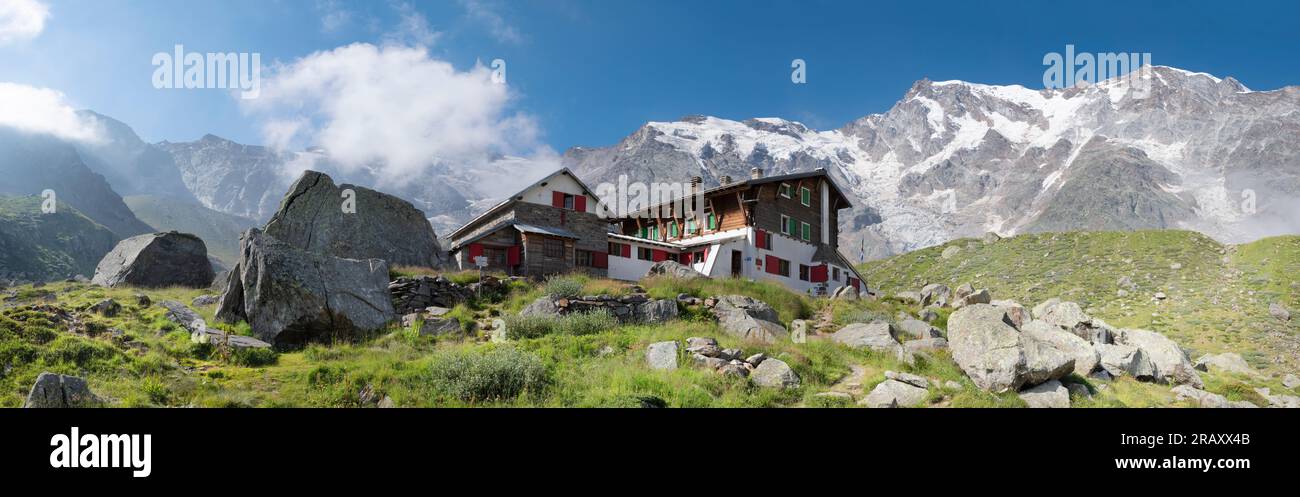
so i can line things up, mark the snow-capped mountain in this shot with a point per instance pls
(1160, 148)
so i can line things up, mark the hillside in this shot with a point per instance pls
(41, 247)
(219, 231)
(1217, 295)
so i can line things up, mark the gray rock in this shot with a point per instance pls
(917, 329)
(799, 331)
(1016, 312)
(877, 336)
(205, 300)
(182, 315)
(107, 308)
(774, 373)
(202, 334)
(1276, 310)
(290, 296)
(912, 347)
(384, 227)
(1291, 381)
(543, 306)
(156, 260)
(59, 391)
(704, 346)
(1170, 362)
(734, 370)
(950, 252)
(1045, 361)
(1067, 315)
(748, 318)
(987, 348)
(1079, 390)
(929, 316)
(1084, 356)
(845, 293)
(1051, 394)
(672, 269)
(756, 359)
(1227, 361)
(952, 385)
(1200, 397)
(962, 291)
(893, 393)
(908, 297)
(908, 378)
(655, 311)
(936, 294)
(1125, 360)
(730, 354)
(434, 326)
(662, 355)
(708, 362)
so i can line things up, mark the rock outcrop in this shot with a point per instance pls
(313, 217)
(747, 318)
(987, 347)
(634, 308)
(672, 269)
(290, 296)
(55, 390)
(156, 260)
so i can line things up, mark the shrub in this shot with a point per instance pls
(576, 324)
(564, 287)
(252, 357)
(484, 376)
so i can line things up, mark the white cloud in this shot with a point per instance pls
(392, 110)
(412, 29)
(481, 11)
(333, 16)
(21, 20)
(45, 111)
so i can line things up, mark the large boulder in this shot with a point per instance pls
(1121, 360)
(156, 260)
(878, 336)
(1048, 395)
(1084, 356)
(290, 296)
(312, 217)
(987, 347)
(1045, 361)
(748, 318)
(895, 393)
(1168, 359)
(916, 328)
(56, 390)
(672, 269)
(936, 294)
(662, 355)
(774, 373)
(1228, 361)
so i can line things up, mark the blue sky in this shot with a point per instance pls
(591, 72)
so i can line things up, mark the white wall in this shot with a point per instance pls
(560, 183)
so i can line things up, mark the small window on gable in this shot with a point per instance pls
(805, 196)
(786, 190)
(785, 224)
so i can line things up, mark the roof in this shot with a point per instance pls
(496, 209)
(771, 179)
(689, 243)
(521, 227)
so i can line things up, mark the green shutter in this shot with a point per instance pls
(807, 231)
(713, 222)
(805, 195)
(672, 229)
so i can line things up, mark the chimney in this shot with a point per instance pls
(724, 180)
(695, 183)
(755, 173)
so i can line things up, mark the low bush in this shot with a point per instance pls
(495, 374)
(564, 287)
(576, 324)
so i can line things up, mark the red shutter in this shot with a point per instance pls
(686, 258)
(557, 199)
(580, 203)
(627, 251)
(854, 283)
(600, 260)
(657, 255)
(818, 274)
(773, 264)
(475, 250)
(758, 238)
(512, 256)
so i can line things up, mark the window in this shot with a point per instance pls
(691, 228)
(672, 229)
(835, 274)
(786, 190)
(785, 224)
(712, 221)
(615, 249)
(654, 232)
(805, 196)
(644, 253)
(642, 232)
(805, 231)
(698, 258)
(803, 272)
(583, 258)
(784, 268)
(568, 201)
(553, 247)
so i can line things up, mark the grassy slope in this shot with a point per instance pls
(1218, 299)
(52, 246)
(601, 369)
(219, 231)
